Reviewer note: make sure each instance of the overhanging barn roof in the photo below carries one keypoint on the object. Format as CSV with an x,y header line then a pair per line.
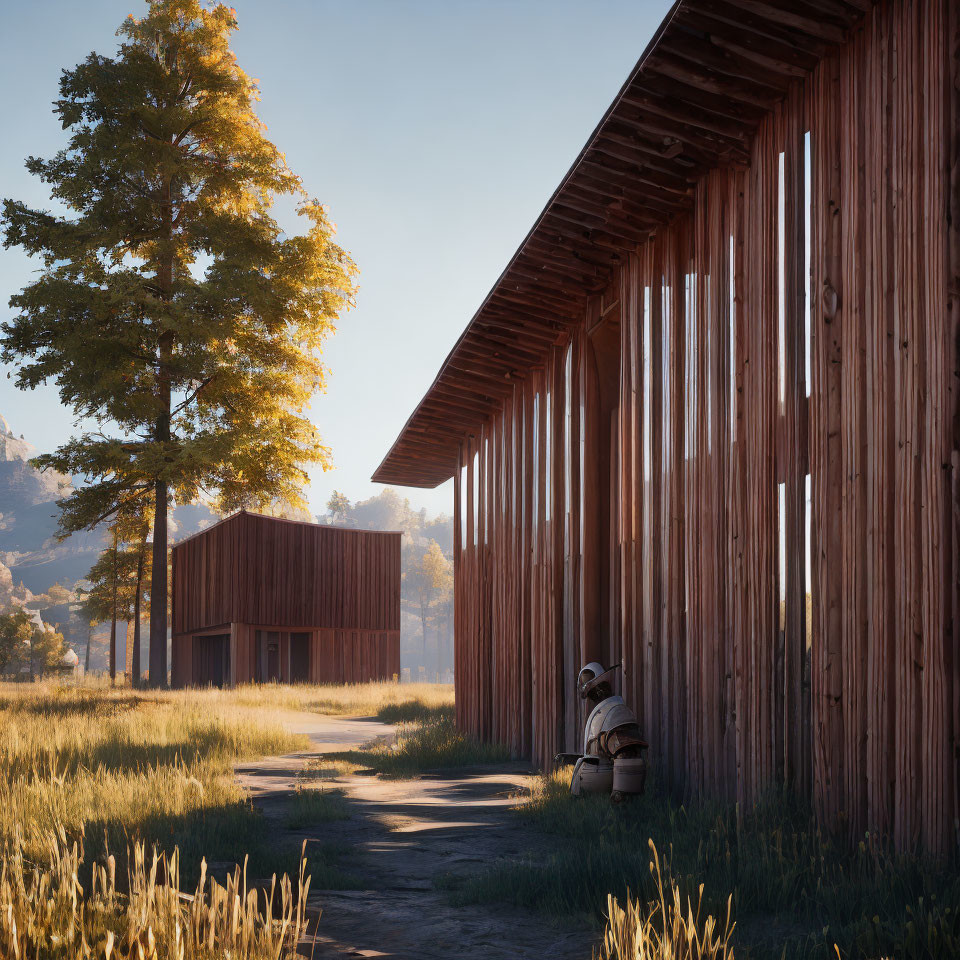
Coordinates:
x,y
712,71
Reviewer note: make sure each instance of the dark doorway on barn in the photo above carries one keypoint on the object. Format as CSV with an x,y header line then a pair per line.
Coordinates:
x,y
211,660
299,657
268,655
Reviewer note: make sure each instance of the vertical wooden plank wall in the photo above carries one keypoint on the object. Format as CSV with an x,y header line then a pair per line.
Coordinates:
x,y
261,570
717,427
952,404
354,656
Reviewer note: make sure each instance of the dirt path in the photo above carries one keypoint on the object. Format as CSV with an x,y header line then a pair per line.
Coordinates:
x,y
404,834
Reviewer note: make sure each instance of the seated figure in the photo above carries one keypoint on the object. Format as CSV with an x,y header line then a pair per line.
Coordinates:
x,y
612,760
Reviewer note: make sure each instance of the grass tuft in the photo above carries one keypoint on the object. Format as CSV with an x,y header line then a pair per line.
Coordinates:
x,y
310,805
433,743
665,927
416,710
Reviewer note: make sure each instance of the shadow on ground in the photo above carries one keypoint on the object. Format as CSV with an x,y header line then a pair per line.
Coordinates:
x,y
401,837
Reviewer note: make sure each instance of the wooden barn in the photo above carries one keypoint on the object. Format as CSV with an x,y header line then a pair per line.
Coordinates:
x,y
259,599
706,421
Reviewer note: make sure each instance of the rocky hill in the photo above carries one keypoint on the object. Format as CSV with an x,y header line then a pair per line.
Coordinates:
x,y
28,522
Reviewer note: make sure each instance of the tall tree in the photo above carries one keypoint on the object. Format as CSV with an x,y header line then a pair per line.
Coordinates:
x,y
16,631
439,571
95,608
118,581
81,614
428,584
171,307
338,505
47,648
136,669
104,598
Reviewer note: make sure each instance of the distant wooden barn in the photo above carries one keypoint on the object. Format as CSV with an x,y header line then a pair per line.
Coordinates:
x,y
727,345
257,598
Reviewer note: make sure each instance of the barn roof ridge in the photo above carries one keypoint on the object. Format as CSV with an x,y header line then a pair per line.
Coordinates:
x,y
264,516
711,72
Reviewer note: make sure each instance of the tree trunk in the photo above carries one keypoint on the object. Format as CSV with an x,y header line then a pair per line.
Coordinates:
x,y
158,591
161,436
135,659
113,614
423,636
86,658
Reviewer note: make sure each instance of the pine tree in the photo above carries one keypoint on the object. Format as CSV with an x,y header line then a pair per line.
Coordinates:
x,y
171,308
119,577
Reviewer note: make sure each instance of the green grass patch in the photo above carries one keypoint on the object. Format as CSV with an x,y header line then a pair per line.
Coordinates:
x,y
415,710
328,866
310,805
433,743
796,891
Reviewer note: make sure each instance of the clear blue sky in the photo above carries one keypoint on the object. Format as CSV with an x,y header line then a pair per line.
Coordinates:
x,y
435,132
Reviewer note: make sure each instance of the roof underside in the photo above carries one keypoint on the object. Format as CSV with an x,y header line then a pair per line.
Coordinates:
x,y
710,74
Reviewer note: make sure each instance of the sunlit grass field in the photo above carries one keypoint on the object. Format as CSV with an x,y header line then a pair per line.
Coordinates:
x,y
89,772
118,764
430,742
387,701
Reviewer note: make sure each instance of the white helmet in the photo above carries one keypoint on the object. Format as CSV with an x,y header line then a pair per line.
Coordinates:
x,y
594,683
590,672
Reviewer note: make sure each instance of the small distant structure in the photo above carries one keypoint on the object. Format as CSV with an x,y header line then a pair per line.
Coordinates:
x,y
260,599
69,665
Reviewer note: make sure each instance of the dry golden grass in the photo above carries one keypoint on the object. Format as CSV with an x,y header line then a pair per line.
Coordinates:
x,y
129,764
47,912
86,770
387,701
665,927
89,772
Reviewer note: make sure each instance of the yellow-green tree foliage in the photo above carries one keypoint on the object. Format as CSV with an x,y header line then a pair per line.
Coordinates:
x,y
170,306
16,629
23,643
428,585
47,648
338,505
438,570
